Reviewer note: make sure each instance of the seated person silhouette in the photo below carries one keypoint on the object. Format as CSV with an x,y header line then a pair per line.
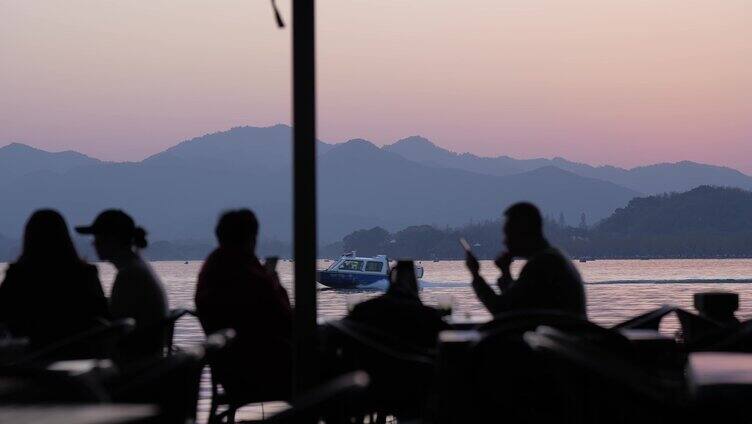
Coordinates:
x,y
236,291
50,293
548,281
136,292
399,312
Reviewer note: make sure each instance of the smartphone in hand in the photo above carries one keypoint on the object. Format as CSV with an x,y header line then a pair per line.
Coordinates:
x,y
271,263
465,245
470,261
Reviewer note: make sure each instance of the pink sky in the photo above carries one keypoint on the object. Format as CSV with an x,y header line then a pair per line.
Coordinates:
x,y
618,82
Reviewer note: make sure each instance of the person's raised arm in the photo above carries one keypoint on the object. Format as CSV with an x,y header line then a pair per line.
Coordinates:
x,y
485,293
504,262
528,288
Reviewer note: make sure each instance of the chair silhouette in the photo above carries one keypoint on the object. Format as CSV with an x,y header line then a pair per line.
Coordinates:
x,y
172,382
500,365
650,320
169,327
401,374
332,400
36,385
99,341
220,398
518,322
607,384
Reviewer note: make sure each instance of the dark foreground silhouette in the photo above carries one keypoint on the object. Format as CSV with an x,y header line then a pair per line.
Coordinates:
x,y
399,312
235,291
548,280
542,359
49,293
136,292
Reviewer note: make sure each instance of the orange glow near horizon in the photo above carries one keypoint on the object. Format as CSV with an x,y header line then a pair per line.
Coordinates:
x,y
623,83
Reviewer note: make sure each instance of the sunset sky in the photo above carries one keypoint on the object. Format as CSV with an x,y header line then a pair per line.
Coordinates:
x,y
598,81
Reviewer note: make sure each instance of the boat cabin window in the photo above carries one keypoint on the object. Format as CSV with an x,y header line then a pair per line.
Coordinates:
x,y
374,266
351,265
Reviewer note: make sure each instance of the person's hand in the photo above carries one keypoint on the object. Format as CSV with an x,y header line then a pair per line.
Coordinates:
x,y
504,262
472,264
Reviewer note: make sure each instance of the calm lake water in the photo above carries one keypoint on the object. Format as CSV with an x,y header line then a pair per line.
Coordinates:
x,y
616,289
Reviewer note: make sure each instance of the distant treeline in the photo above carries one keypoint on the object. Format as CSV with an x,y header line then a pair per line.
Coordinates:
x,y
706,222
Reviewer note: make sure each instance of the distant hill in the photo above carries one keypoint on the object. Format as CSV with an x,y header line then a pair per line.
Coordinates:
x,y
362,185
707,222
703,222
262,149
651,179
705,208
19,159
178,194
420,149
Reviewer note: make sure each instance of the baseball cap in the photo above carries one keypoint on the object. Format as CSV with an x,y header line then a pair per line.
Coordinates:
x,y
110,221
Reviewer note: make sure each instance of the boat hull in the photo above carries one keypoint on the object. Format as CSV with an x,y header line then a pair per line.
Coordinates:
x,y
346,280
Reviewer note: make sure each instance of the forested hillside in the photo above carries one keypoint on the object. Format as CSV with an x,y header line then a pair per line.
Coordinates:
x,y
705,222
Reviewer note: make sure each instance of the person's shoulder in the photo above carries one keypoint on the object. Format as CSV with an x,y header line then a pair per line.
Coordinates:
x,y
370,302
369,305
214,256
550,254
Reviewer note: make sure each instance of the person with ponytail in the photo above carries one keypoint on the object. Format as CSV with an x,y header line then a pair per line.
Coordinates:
x,y
136,292
50,293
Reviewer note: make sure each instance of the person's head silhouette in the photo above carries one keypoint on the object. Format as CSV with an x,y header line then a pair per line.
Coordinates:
x,y
402,279
47,239
115,234
237,229
523,230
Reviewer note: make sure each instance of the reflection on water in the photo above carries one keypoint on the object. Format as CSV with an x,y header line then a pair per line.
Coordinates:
x,y
616,289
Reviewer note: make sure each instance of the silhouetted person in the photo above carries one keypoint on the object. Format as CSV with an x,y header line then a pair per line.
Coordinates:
x,y
399,312
548,281
136,292
49,293
235,291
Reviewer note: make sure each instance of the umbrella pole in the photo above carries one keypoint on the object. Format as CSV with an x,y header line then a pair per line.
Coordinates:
x,y
304,169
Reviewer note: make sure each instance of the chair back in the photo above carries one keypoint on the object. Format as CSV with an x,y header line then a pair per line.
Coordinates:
x,y
500,365
169,327
401,374
37,385
650,320
518,322
328,401
171,382
596,383
100,341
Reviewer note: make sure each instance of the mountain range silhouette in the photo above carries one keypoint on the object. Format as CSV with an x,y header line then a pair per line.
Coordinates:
x,y
177,194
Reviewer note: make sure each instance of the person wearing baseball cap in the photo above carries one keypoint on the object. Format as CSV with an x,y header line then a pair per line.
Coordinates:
x,y
136,292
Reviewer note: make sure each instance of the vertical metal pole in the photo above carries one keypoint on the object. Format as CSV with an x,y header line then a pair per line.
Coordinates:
x,y
304,169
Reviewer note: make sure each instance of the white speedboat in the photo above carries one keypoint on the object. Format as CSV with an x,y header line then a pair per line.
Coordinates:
x,y
350,271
